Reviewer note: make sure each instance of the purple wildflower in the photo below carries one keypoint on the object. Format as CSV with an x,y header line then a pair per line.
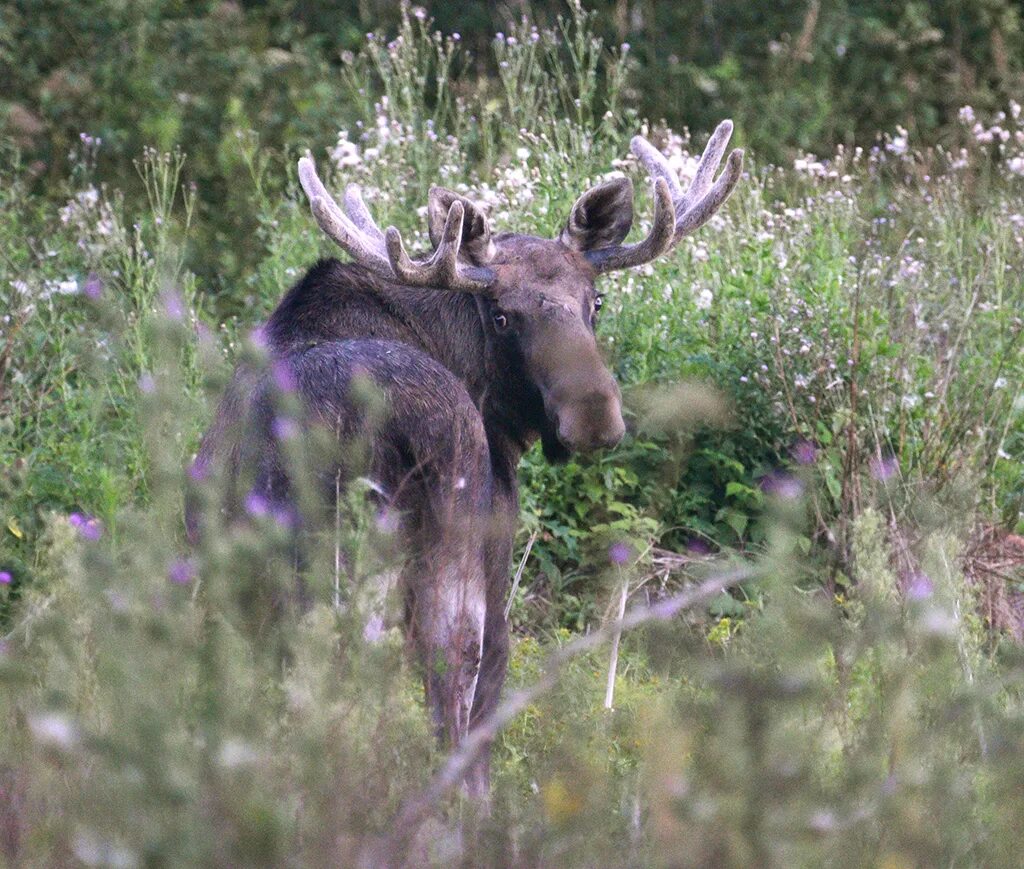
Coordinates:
x,y
619,553
284,428
93,287
92,529
256,504
884,467
782,485
387,520
173,305
88,527
804,452
181,571
284,379
285,516
147,385
920,586
258,338
5,577
698,546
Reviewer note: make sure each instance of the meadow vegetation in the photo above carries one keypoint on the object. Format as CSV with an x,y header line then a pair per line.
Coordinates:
x,y
824,387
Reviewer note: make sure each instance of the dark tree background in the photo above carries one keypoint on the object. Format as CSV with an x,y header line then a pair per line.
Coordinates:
x,y
796,75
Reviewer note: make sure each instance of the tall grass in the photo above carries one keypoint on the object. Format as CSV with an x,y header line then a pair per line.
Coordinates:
x,y
824,385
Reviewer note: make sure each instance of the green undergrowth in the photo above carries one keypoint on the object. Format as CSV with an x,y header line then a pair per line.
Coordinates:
x,y
824,383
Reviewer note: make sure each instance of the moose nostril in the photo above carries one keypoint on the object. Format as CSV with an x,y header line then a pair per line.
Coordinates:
x,y
594,422
616,432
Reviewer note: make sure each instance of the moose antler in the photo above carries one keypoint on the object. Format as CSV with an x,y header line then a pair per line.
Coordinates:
x,y
355,230
677,213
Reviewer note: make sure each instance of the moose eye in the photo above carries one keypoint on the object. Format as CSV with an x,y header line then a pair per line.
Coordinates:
x,y
500,322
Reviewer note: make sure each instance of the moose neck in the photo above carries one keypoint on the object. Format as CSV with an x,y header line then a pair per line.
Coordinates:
x,y
451,329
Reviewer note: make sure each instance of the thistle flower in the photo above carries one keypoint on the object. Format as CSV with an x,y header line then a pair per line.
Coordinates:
x,y
93,287
181,571
89,527
884,467
619,553
256,504
804,452
782,485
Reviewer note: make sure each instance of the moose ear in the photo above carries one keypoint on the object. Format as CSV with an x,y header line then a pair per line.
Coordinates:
x,y
601,217
476,231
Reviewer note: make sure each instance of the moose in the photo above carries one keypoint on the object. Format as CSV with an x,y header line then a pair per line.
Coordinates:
x,y
479,349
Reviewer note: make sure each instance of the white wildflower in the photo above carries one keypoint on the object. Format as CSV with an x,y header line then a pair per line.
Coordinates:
x,y
810,165
53,729
95,851
345,153
899,143
235,753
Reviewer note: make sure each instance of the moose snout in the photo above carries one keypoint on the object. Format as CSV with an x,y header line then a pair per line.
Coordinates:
x,y
592,422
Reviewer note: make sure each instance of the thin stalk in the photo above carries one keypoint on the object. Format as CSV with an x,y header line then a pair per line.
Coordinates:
x,y
613,664
519,574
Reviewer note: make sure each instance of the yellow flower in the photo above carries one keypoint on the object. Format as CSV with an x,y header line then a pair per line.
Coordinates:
x,y
560,803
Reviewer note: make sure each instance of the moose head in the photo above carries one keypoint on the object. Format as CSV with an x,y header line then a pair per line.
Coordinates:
x,y
537,296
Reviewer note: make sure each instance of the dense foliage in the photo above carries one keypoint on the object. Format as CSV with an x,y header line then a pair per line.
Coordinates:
x,y
825,384
798,75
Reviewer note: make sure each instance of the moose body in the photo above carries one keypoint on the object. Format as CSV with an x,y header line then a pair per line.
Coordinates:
x,y
479,350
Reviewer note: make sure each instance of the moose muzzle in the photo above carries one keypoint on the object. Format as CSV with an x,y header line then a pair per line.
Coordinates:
x,y
581,397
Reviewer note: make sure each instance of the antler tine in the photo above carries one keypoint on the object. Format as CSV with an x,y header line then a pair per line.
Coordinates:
x,y
656,165
364,247
708,164
443,268
677,213
696,206
383,252
698,214
359,213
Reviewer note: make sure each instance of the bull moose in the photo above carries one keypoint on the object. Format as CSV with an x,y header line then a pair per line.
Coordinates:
x,y
479,349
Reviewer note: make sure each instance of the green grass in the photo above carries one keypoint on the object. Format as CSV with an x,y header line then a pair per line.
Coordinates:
x,y
850,331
